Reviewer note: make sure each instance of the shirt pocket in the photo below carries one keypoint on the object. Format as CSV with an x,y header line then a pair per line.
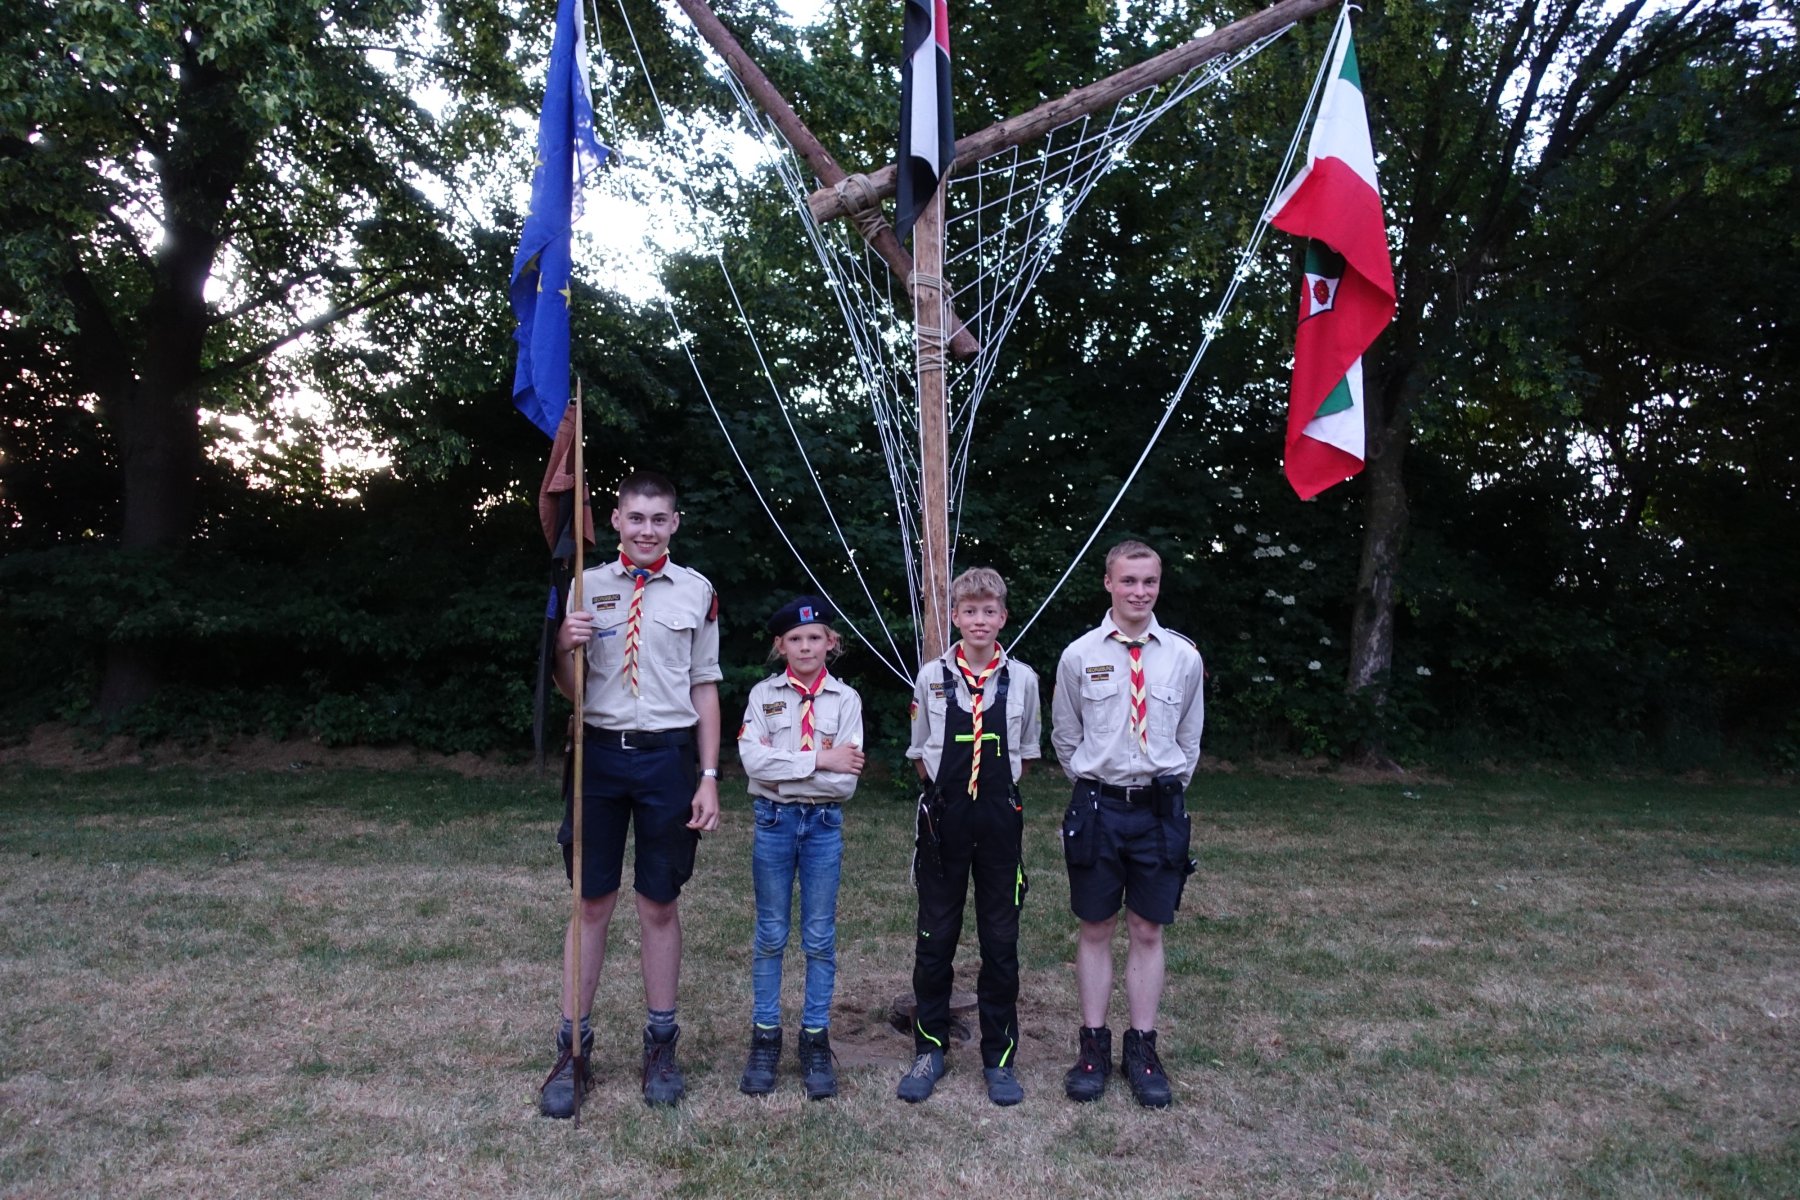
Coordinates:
x,y
671,640
606,653
1165,709
1100,707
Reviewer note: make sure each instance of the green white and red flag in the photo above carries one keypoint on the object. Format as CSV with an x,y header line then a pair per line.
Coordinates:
x,y
1348,298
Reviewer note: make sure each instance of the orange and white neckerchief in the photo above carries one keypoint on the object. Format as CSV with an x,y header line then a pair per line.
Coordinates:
x,y
976,682
806,705
634,624
1140,714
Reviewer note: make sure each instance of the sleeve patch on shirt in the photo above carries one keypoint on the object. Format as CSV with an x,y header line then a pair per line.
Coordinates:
x,y
912,711
712,610
742,730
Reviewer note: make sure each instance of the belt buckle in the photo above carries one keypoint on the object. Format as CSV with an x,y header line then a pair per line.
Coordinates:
x,y
625,740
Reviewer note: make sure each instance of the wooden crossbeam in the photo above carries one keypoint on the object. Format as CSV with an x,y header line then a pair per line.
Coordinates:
x,y
831,202
877,231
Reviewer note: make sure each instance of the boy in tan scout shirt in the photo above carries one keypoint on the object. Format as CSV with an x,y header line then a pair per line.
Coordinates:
x,y
1125,724
650,717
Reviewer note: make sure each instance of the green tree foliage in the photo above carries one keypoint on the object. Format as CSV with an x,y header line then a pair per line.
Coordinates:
x,y
187,188
1571,537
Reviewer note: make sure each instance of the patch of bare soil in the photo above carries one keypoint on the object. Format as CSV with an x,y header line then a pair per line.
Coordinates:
x,y
67,748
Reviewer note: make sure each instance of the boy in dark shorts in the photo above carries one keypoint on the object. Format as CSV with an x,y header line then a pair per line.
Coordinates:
x,y
650,721
1125,724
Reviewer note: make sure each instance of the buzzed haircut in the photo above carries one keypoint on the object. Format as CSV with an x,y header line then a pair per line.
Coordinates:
x,y
652,485
1130,549
975,583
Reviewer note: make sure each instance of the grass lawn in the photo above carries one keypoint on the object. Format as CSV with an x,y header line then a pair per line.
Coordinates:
x,y
338,983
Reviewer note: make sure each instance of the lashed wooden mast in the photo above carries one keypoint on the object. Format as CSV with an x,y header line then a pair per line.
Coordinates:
x,y
937,328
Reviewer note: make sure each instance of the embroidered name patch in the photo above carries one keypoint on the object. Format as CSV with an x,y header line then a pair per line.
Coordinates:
x,y
937,689
779,706
606,603
1101,673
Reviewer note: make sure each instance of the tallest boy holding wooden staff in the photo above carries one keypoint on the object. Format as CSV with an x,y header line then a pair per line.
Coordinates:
x,y
651,715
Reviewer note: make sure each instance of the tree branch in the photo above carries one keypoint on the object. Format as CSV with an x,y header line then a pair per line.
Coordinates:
x,y
262,351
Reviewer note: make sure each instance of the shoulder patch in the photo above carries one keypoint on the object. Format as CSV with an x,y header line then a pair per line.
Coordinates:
x,y
712,610
912,711
742,730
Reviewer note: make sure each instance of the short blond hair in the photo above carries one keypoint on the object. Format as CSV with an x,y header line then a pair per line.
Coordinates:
x,y
1130,549
975,583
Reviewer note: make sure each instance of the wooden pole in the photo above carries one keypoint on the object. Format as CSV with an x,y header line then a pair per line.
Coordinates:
x,y
878,232
576,790
830,202
934,482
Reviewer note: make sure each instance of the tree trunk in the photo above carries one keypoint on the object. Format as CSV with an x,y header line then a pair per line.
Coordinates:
x,y
155,405
1384,537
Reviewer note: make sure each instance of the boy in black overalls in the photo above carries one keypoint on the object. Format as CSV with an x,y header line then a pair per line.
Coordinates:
x,y
974,724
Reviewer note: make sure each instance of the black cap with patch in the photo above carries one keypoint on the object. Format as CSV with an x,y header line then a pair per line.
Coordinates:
x,y
801,610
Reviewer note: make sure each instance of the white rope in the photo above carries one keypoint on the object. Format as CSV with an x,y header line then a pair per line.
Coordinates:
x,y
686,344
1240,273
1010,237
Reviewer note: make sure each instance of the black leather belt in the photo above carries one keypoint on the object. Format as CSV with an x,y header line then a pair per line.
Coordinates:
x,y
1136,794
637,739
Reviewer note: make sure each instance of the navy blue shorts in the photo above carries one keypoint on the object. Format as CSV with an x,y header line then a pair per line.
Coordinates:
x,y
1119,852
651,791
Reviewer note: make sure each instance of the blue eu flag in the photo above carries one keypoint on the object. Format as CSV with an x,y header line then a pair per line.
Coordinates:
x,y
567,153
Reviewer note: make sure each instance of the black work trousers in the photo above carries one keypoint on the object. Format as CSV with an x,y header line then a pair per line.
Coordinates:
x,y
978,838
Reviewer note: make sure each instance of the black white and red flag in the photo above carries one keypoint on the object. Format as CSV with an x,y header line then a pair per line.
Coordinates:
x,y
927,139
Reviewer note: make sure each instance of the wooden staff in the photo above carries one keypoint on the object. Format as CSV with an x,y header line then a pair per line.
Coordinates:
x,y
934,480
576,790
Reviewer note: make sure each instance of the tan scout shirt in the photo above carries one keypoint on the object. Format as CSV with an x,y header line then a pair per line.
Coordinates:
x,y
1024,732
679,647
769,740
1090,715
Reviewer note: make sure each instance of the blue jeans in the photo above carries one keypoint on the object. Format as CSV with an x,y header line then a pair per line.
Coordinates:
x,y
805,840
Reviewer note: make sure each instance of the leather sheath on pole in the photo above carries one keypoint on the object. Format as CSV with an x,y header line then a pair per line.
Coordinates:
x,y
827,204
962,343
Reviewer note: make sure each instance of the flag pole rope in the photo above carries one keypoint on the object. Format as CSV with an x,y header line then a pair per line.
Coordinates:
x,y
1240,273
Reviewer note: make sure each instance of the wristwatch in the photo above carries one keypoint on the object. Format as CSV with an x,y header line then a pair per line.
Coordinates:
x,y
710,772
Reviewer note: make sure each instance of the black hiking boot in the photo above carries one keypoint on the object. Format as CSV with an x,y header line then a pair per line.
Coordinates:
x,y
1086,1080
1143,1070
765,1057
662,1078
557,1097
818,1066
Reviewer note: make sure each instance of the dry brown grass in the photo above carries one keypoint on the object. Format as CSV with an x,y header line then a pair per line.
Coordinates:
x,y
339,984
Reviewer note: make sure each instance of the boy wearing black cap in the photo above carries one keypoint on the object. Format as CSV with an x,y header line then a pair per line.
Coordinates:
x,y
801,745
